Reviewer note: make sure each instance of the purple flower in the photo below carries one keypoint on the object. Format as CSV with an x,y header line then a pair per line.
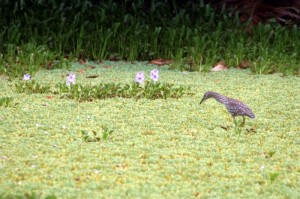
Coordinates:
x,y
26,77
140,77
71,79
154,75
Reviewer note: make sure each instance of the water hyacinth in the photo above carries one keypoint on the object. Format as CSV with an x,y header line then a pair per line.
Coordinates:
x,y
154,75
71,79
26,77
140,77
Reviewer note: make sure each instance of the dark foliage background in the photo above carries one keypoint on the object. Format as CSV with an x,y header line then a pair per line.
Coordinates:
x,y
193,33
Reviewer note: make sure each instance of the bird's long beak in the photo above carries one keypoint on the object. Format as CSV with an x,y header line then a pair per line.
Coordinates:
x,y
203,99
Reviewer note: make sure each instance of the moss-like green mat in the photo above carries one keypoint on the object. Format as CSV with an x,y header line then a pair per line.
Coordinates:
x,y
171,148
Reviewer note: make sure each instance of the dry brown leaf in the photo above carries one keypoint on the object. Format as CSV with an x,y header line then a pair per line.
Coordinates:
x,y
168,61
158,62
251,130
220,66
225,128
81,71
161,62
82,61
77,179
244,65
92,67
92,76
49,65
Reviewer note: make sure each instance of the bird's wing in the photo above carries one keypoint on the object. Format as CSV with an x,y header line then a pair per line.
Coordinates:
x,y
239,108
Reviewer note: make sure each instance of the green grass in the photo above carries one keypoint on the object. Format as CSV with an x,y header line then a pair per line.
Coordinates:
x,y
48,34
158,148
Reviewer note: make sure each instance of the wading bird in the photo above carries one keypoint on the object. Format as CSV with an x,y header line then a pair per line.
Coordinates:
x,y
234,107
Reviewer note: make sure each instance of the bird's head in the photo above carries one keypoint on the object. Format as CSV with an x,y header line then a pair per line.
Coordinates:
x,y
207,95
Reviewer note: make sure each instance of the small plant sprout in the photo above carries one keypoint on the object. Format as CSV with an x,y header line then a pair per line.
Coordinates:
x,y
273,176
26,77
6,101
106,132
140,77
154,75
71,79
31,86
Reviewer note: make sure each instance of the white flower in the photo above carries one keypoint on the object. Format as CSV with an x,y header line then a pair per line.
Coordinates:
x,y
140,77
154,75
71,79
26,77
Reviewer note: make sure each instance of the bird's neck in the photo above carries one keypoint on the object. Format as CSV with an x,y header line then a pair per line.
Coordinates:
x,y
220,98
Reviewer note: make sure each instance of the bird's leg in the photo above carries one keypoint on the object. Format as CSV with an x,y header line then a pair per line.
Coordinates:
x,y
243,123
237,126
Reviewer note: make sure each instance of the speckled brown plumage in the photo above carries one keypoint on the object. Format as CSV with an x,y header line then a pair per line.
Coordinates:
x,y
234,107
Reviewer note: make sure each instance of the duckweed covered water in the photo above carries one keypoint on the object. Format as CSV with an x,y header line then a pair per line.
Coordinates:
x,y
171,148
